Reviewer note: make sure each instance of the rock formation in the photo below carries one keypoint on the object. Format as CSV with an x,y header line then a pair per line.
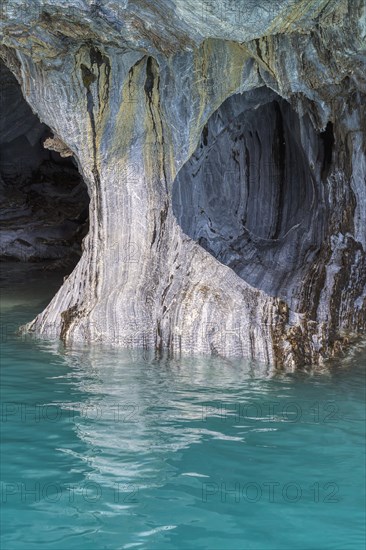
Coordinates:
x,y
223,147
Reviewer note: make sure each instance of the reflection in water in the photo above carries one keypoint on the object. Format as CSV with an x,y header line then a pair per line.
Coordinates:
x,y
136,411
110,449
146,408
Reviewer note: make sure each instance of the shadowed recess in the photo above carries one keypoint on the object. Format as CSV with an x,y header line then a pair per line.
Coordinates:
x,y
45,202
251,196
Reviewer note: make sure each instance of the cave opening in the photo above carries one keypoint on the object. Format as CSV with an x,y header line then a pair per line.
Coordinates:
x,y
251,193
45,202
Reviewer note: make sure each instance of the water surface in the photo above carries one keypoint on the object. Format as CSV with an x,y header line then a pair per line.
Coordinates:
x,y
107,449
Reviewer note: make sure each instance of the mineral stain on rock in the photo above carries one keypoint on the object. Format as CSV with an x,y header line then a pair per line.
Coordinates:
x,y
229,143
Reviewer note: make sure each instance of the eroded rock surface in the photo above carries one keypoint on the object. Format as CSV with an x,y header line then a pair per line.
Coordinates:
x,y
223,146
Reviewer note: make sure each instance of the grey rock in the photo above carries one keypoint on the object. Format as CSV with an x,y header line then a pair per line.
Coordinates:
x,y
192,247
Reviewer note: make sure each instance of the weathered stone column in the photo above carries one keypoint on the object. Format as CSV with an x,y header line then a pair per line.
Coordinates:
x,y
131,107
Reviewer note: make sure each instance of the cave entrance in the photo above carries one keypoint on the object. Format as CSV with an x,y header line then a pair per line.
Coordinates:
x,y
249,194
44,213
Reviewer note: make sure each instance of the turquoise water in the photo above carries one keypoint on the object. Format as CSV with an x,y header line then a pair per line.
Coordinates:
x,y
111,449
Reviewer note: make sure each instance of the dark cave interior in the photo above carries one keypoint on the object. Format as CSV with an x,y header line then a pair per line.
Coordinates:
x,y
45,202
252,194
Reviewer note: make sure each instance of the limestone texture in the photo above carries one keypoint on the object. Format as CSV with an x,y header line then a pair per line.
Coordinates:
x,y
223,148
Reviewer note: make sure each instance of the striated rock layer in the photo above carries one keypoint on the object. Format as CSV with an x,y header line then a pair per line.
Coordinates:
x,y
223,146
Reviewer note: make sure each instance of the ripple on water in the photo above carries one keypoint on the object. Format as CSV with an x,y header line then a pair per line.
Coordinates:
x,y
107,449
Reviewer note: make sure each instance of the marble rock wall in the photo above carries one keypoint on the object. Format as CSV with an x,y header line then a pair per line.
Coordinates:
x,y
223,147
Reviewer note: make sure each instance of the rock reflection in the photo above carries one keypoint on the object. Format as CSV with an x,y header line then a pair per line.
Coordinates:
x,y
137,410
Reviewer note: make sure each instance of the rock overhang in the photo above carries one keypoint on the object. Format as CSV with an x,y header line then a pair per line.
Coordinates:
x,y
131,144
